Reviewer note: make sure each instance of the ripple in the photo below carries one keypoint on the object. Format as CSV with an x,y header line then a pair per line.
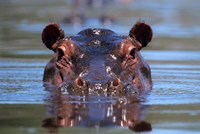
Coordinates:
x,y
172,55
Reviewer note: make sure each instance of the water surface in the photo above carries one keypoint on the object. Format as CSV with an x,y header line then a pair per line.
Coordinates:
x,y
173,106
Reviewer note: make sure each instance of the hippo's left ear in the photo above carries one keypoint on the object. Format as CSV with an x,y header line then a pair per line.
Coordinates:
x,y
142,32
52,33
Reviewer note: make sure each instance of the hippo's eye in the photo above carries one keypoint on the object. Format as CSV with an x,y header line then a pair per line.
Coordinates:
x,y
60,54
132,53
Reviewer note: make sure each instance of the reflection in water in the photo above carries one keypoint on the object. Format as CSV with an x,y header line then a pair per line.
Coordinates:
x,y
65,110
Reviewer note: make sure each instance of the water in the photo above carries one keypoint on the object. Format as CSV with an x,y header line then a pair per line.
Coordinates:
x,y
173,106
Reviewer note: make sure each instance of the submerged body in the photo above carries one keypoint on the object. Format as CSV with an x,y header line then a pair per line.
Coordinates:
x,y
98,60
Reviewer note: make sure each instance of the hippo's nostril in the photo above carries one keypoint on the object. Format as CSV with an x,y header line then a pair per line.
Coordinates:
x,y
116,82
79,82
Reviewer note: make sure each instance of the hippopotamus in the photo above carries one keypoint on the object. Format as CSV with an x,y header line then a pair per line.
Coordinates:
x,y
98,60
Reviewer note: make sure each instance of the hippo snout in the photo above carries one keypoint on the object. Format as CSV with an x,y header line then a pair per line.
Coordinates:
x,y
81,86
112,88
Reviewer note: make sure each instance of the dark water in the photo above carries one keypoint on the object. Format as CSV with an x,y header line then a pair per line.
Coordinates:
x,y
173,106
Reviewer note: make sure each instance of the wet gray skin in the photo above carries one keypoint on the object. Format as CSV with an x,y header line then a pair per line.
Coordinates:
x,y
97,61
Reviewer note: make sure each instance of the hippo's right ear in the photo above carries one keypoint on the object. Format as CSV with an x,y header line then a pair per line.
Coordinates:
x,y
52,33
142,32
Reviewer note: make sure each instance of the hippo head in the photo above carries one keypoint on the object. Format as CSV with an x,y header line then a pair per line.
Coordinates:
x,y
98,60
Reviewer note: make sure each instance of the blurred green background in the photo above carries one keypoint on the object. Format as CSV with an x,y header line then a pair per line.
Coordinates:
x,y
175,22
173,55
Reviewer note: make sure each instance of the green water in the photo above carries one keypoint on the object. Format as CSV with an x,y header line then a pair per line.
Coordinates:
x,y
173,106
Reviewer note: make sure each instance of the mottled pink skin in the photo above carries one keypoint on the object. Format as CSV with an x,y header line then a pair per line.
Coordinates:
x,y
98,59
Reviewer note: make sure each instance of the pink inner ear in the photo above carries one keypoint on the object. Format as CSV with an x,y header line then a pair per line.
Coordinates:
x,y
51,34
142,32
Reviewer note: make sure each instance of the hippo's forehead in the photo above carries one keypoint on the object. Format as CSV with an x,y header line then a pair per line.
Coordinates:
x,y
97,41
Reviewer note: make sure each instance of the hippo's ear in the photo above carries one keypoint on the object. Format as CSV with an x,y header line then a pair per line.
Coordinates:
x,y
142,32
52,33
